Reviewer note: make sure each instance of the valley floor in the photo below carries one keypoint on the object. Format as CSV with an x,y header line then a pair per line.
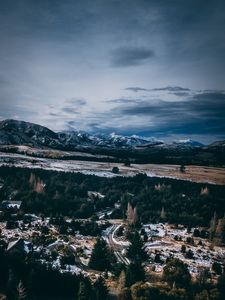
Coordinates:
x,y
202,174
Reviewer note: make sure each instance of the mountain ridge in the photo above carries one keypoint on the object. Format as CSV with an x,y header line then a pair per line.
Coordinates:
x,y
15,133
21,132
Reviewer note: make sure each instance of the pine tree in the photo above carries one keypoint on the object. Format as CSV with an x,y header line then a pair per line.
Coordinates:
x,y
182,168
83,293
36,183
176,273
21,290
220,231
39,188
100,289
122,281
136,251
158,187
11,286
100,257
135,216
125,294
162,214
135,272
204,191
223,231
129,213
132,216
32,180
212,228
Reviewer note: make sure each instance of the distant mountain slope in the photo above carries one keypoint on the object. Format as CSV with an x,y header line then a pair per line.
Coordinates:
x,y
217,144
188,142
20,132
138,149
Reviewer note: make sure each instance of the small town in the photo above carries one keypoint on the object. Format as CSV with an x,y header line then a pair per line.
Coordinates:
x,y
63,243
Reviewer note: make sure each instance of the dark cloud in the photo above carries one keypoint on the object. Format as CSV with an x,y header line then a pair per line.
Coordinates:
x,y
177,90
123,101
180,94
130,56
73,105
77,102
69,110
171,89
52,114
210,96
202,113
136,89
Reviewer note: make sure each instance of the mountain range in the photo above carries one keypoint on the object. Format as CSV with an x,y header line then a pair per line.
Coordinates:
x,y
13,132
118,147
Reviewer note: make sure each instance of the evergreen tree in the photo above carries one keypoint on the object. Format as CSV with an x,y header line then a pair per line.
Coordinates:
x,y
21,290
221,284
122,280
83,293
100,257
182,168
11,292
202,277
100,289
136,249
176,273
217,268
203,295
125,294
212,228
162,214
220,231
135,272
115,170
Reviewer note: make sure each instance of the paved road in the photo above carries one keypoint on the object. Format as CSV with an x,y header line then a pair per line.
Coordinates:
x,y
116,246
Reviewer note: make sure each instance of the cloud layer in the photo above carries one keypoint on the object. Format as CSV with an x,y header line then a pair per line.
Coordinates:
x,y
200,114
152,67
130,56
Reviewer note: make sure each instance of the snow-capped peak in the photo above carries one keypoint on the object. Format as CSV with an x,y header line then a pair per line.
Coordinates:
x,y
188,142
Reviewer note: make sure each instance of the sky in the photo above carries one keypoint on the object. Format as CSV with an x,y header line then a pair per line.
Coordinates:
x,y
154,68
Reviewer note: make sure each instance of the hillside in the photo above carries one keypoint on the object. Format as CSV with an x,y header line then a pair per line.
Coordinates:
x,y
134,148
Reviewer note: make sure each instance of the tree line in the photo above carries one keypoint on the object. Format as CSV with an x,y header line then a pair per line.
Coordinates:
x,y
52,193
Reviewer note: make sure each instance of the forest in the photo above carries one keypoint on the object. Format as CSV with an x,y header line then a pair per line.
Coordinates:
x,y
52,193
58,195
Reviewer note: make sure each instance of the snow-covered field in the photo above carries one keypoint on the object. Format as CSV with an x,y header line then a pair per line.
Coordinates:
x,y
103,169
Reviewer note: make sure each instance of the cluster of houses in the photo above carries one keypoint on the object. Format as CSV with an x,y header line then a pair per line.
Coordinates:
x,y
71,252
37,236
166,241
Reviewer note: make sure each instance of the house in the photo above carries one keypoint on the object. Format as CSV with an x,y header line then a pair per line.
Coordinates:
x,y
11,204
19,246
93,195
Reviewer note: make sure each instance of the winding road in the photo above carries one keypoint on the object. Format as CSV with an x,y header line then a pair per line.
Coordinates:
x,y
116,246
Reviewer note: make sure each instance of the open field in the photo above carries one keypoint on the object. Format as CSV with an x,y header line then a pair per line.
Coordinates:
x,y
193,173
50,153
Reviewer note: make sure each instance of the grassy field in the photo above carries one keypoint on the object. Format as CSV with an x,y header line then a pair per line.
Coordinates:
x,y
205,174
